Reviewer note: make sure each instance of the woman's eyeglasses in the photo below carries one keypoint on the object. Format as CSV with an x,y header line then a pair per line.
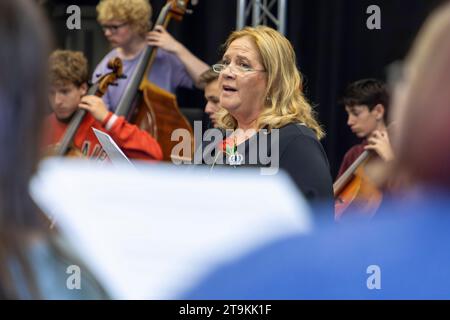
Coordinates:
x,y
236,69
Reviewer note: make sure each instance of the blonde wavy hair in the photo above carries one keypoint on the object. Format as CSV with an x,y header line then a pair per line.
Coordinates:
x,y
285,101
68,66
135,12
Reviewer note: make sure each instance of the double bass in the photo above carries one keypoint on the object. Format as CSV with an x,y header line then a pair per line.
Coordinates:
x,y
150,107
65,146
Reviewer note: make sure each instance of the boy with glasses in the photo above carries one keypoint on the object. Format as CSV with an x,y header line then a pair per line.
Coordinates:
x,y
126,24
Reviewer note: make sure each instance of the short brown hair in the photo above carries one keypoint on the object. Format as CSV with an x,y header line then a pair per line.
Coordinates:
x,y
207,77
68,66
369,92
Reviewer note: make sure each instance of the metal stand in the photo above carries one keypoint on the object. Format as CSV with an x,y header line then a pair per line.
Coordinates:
x,y
263,13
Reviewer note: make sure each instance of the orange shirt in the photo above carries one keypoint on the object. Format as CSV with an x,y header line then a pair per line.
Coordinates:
x,y
134,142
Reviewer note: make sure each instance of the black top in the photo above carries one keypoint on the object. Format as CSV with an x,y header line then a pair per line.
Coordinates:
x,y
299,153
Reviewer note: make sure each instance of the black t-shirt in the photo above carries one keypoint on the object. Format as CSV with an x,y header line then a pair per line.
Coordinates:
x,y
299,153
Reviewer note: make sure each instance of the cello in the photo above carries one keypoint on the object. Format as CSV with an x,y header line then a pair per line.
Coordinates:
x,y
149,107
356,189
65,146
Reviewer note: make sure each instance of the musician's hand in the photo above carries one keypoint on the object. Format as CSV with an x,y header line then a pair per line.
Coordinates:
x,y
95,106
159,37
379,142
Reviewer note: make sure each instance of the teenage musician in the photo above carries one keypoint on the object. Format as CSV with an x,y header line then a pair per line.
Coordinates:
x,y
366,102
126,25
68,88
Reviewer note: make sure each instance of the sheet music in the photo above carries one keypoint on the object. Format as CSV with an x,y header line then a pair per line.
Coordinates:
x,y
115,154
153,232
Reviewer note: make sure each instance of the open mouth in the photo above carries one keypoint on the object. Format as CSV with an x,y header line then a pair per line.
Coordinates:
x,y
229,89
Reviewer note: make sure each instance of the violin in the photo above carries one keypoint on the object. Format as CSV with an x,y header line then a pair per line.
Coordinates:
x,y
65,146
355,189
149,107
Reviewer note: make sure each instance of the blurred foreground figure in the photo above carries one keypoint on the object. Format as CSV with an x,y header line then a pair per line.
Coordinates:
x,y
403,254
35,263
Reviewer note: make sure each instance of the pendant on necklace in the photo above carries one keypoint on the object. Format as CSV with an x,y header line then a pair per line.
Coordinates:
x,y
235,159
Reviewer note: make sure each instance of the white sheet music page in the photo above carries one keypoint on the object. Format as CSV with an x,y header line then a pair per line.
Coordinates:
x,y
153,232
115,154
